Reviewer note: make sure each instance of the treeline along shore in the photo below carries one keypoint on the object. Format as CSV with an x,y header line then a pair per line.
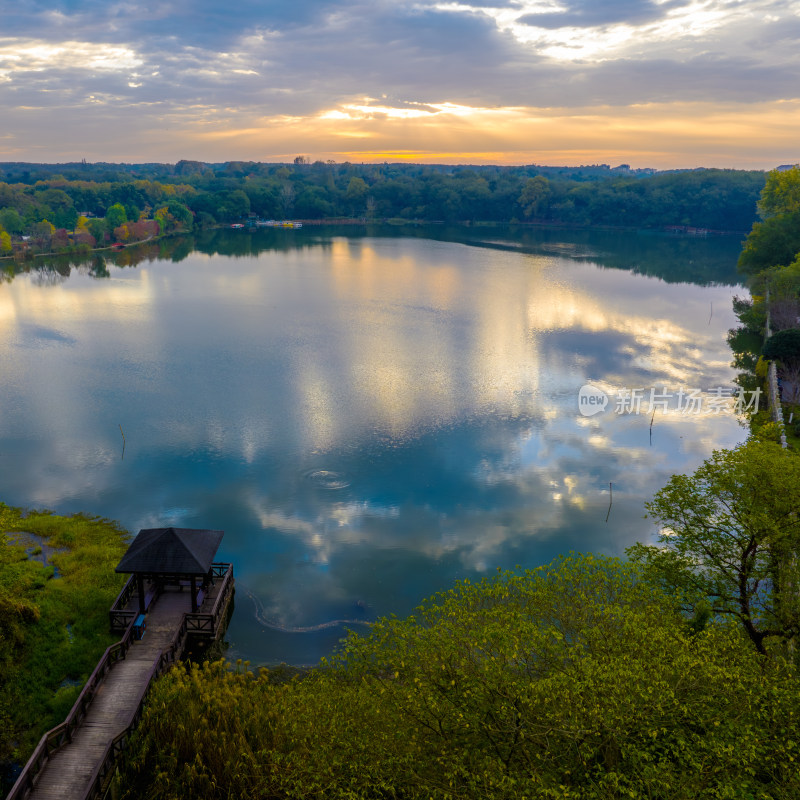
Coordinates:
x,y
79,207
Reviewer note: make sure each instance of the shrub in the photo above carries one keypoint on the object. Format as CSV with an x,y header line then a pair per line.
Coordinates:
x,y
576,680
783,345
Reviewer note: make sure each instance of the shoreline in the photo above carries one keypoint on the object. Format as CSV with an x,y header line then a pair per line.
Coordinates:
x,y
672,231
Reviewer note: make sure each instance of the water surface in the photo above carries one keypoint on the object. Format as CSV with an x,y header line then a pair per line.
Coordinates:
x,y
369,415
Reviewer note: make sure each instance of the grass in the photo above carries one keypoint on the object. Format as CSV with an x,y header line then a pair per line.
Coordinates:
x,y
57,582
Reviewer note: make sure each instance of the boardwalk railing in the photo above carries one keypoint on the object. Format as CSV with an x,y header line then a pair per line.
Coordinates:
x,y
61,735
104,770
210,624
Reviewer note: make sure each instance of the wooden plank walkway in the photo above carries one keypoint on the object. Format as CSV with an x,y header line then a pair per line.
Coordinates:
x,y
75,759
68,772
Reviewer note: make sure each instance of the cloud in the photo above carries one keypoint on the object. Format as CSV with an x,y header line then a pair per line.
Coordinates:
x,y
321,71
588,13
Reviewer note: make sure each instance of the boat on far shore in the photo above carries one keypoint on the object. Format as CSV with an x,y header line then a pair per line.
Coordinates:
x,y
277,223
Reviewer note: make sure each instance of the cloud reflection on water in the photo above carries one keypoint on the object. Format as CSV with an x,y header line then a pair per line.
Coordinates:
x,y
432,385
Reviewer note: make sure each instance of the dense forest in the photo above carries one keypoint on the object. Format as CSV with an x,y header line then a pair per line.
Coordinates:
x,y
68,207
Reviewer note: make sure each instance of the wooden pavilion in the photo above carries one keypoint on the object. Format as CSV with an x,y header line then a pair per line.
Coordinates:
x,y
176,556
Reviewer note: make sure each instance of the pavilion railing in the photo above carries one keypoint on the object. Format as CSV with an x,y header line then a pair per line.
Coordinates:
x,y
207,623
118,617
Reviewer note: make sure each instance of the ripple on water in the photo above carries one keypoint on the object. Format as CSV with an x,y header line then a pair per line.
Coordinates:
x,y
327,479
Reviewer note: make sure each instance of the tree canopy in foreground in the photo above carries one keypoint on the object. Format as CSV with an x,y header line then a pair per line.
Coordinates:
x,y
574,680
729,539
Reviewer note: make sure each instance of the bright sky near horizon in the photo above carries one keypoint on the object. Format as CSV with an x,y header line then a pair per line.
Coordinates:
x,y
651,83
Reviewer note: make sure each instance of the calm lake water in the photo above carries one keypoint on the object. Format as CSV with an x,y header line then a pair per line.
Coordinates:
x,y
368,414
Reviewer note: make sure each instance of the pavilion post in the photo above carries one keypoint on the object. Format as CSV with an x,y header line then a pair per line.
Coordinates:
x,y
140,588
194,594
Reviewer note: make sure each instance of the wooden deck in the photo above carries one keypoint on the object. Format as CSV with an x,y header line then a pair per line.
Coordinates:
x,y
73,760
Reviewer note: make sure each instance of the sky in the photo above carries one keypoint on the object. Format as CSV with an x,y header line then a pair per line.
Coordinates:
x,y
650,83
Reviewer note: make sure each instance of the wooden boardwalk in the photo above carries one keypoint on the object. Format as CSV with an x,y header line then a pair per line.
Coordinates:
x,y
69,771
73,761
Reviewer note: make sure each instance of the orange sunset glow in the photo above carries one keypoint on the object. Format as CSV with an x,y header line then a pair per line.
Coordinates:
x,y
653,84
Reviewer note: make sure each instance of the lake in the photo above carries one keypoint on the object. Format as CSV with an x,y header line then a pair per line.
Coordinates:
x,y
369,414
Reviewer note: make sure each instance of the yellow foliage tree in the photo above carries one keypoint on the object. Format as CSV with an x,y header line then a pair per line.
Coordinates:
x,y
781,193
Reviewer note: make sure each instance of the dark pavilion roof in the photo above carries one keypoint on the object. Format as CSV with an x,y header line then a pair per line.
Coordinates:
x,y
172,551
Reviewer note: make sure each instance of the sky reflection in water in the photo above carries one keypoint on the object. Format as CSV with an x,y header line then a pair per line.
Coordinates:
x,y
368,419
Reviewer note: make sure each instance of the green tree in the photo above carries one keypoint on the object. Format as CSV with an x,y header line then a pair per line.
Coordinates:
x,y
57,205
783,345
287,197
781,193
97,228
191,169
311,204
116,216
180,214
774,242
729,537
784,294
263,199
174,216
231,205
356,192
535,196
11,220
132,212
